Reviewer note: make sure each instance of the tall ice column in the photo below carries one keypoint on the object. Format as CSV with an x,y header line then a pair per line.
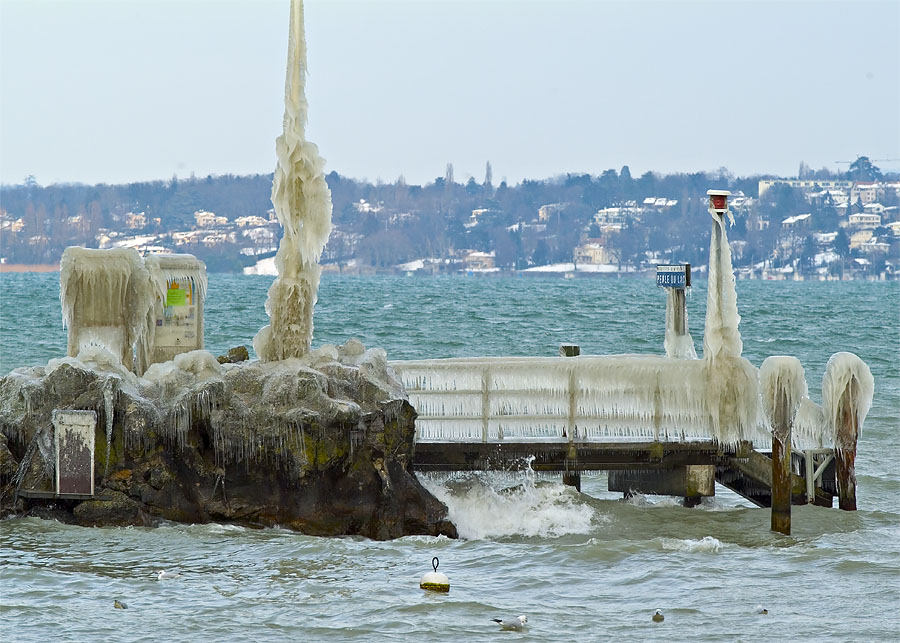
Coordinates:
x,y
302,203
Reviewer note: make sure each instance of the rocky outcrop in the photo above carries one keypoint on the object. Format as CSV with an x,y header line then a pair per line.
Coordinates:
x,y
321,444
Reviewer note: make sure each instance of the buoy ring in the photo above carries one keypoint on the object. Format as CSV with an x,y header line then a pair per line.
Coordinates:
x,y
435,581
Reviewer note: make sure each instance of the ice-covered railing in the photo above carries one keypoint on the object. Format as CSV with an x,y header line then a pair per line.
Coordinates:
x,y
616,398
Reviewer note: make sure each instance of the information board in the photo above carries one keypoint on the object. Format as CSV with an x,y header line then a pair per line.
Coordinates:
x,y
178,326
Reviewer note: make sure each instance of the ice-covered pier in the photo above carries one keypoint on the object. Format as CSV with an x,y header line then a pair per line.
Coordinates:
x,y
651,418
672,424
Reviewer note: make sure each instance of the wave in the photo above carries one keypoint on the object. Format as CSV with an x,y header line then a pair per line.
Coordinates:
x,y
480,511
705,544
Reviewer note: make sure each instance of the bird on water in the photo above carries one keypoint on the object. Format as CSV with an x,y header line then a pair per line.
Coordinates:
x,y
514,623
119,605
164,575
658,617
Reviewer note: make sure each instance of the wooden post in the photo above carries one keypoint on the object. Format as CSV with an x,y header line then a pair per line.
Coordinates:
x,y
678,313
571,478
781,465
845,447
569,350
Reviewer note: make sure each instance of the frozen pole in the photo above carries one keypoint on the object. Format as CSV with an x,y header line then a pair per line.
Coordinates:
x,y
721,337
302,204
571,478
783,385
847,390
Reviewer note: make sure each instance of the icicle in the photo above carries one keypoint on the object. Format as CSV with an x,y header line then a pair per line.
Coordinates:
x,y
108,412
302,203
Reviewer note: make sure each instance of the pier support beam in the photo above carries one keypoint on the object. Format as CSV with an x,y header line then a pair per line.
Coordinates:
x,y
781,466
845,453
572,479
783,385
569,350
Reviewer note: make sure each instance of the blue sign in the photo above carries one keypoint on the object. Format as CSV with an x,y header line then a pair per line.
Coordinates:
x,y
673,276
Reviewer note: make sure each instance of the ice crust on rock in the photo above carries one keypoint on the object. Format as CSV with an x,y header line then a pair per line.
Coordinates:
x,y
302,204
285,432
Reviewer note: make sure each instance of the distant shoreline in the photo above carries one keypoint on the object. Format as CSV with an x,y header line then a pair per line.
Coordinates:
x,y
29,267
45,268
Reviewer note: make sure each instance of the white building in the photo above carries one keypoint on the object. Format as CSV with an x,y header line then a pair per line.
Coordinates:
x,y
864,220
250,221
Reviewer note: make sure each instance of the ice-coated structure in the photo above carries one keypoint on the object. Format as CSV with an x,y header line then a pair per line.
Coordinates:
x,y
780,376
302,203
846,372
173,328
116,301
677,346
106,296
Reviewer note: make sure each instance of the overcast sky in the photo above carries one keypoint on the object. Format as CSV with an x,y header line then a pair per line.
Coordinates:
x,y
123,91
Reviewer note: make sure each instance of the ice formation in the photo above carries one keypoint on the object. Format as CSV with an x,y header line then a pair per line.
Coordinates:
x,y
721,337
615,398
106,296
847,387
302,203
732,383
783,387
677,346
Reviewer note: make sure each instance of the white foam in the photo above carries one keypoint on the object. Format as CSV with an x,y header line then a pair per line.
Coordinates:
x,y
705,544
480,511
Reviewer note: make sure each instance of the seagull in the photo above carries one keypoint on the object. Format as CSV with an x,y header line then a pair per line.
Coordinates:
x,y
120,606
658,617
164,575
514,623
761,610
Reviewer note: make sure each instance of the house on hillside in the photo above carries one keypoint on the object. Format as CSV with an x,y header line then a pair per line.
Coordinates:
x,y
594,252
864,221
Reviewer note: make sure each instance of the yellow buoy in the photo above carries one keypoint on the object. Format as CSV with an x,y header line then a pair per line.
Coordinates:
x,y
435,581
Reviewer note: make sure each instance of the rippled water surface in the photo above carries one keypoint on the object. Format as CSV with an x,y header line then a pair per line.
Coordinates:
x,y
581,566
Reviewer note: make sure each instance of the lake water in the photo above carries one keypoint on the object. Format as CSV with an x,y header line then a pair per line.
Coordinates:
x,y
585,567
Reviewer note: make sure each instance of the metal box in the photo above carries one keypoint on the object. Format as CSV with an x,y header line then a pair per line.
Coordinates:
x,y
74,442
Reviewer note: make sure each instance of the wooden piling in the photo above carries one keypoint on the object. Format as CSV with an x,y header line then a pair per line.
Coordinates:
x,y
781,464
845,447
572,479
679,312
569,350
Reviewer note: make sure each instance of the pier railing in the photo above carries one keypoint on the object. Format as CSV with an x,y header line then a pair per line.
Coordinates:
x,y
617,398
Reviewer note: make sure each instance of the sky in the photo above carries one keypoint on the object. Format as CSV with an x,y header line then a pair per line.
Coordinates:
x,y
113,92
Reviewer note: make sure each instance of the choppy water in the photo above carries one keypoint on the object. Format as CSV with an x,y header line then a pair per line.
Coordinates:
x,y
581,566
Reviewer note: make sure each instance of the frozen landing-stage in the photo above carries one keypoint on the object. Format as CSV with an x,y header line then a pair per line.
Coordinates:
x,y
487,414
